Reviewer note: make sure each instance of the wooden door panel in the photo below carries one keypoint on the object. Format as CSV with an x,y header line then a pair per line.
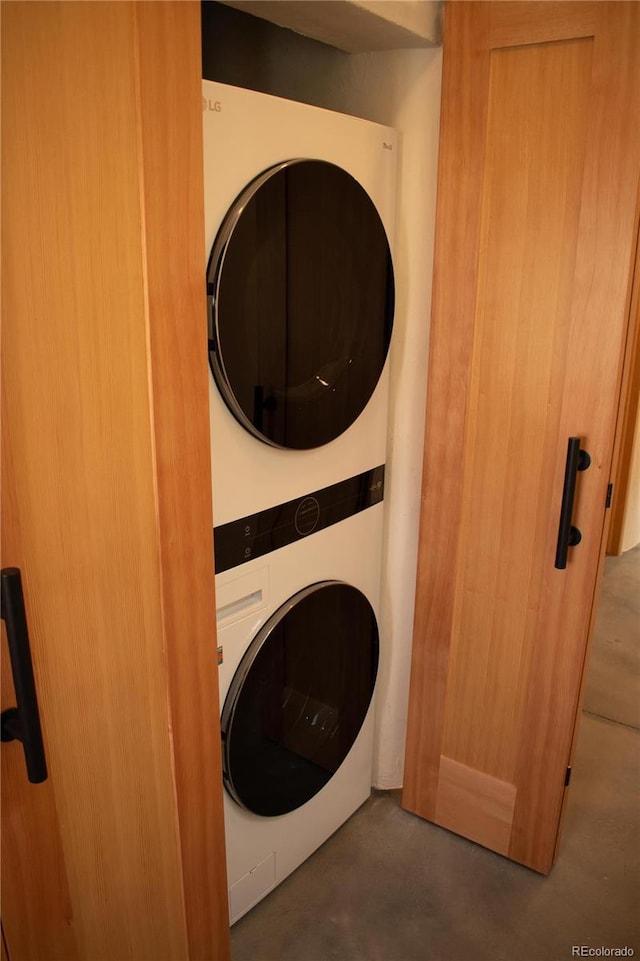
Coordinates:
x,y
474,803
513,22
78,420
528,325
34,887
38,886
524,291
106,503
598,324
171,79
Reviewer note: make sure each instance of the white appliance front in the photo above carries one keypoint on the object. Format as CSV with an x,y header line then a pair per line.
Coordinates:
x,y
264,159
303,727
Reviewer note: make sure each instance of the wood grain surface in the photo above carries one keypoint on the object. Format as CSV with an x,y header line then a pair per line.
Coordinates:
x,y
106,490
535,235
170,76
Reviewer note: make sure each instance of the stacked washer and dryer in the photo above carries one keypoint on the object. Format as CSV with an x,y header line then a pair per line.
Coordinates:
x,y
299,209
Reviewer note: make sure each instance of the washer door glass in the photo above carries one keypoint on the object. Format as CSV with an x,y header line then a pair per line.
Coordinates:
x,y
299,698
301,297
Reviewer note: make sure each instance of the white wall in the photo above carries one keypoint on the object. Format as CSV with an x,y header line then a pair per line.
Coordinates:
x,y
402,89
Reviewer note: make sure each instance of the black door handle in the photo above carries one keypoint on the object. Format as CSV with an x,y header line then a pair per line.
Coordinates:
x,y
21,723
568,535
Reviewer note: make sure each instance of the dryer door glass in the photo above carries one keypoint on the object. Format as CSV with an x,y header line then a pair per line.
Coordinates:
x,y
301,296
299,698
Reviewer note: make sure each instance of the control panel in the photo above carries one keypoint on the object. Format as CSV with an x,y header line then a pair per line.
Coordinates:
x,y
258,534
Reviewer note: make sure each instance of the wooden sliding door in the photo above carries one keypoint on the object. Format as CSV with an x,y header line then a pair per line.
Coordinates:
x,y
536,226
106,492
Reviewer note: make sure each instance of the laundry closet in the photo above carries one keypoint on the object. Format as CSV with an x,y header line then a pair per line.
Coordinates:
x,y
108,387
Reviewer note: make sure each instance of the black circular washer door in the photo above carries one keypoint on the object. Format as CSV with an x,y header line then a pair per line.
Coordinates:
x,y
301,298
299,698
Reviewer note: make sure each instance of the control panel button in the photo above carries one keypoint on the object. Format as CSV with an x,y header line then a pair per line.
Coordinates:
x,y
307,516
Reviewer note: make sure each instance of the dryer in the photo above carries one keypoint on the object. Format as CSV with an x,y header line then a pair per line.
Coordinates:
x,y
299,207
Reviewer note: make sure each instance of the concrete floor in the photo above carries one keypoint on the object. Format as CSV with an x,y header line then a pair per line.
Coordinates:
x,y
391,887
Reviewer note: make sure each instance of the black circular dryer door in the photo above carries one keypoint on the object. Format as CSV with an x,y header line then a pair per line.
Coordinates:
x,y
301,297
299,698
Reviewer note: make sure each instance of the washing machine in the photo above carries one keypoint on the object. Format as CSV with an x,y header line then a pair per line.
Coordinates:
x,y
298,654
299,206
